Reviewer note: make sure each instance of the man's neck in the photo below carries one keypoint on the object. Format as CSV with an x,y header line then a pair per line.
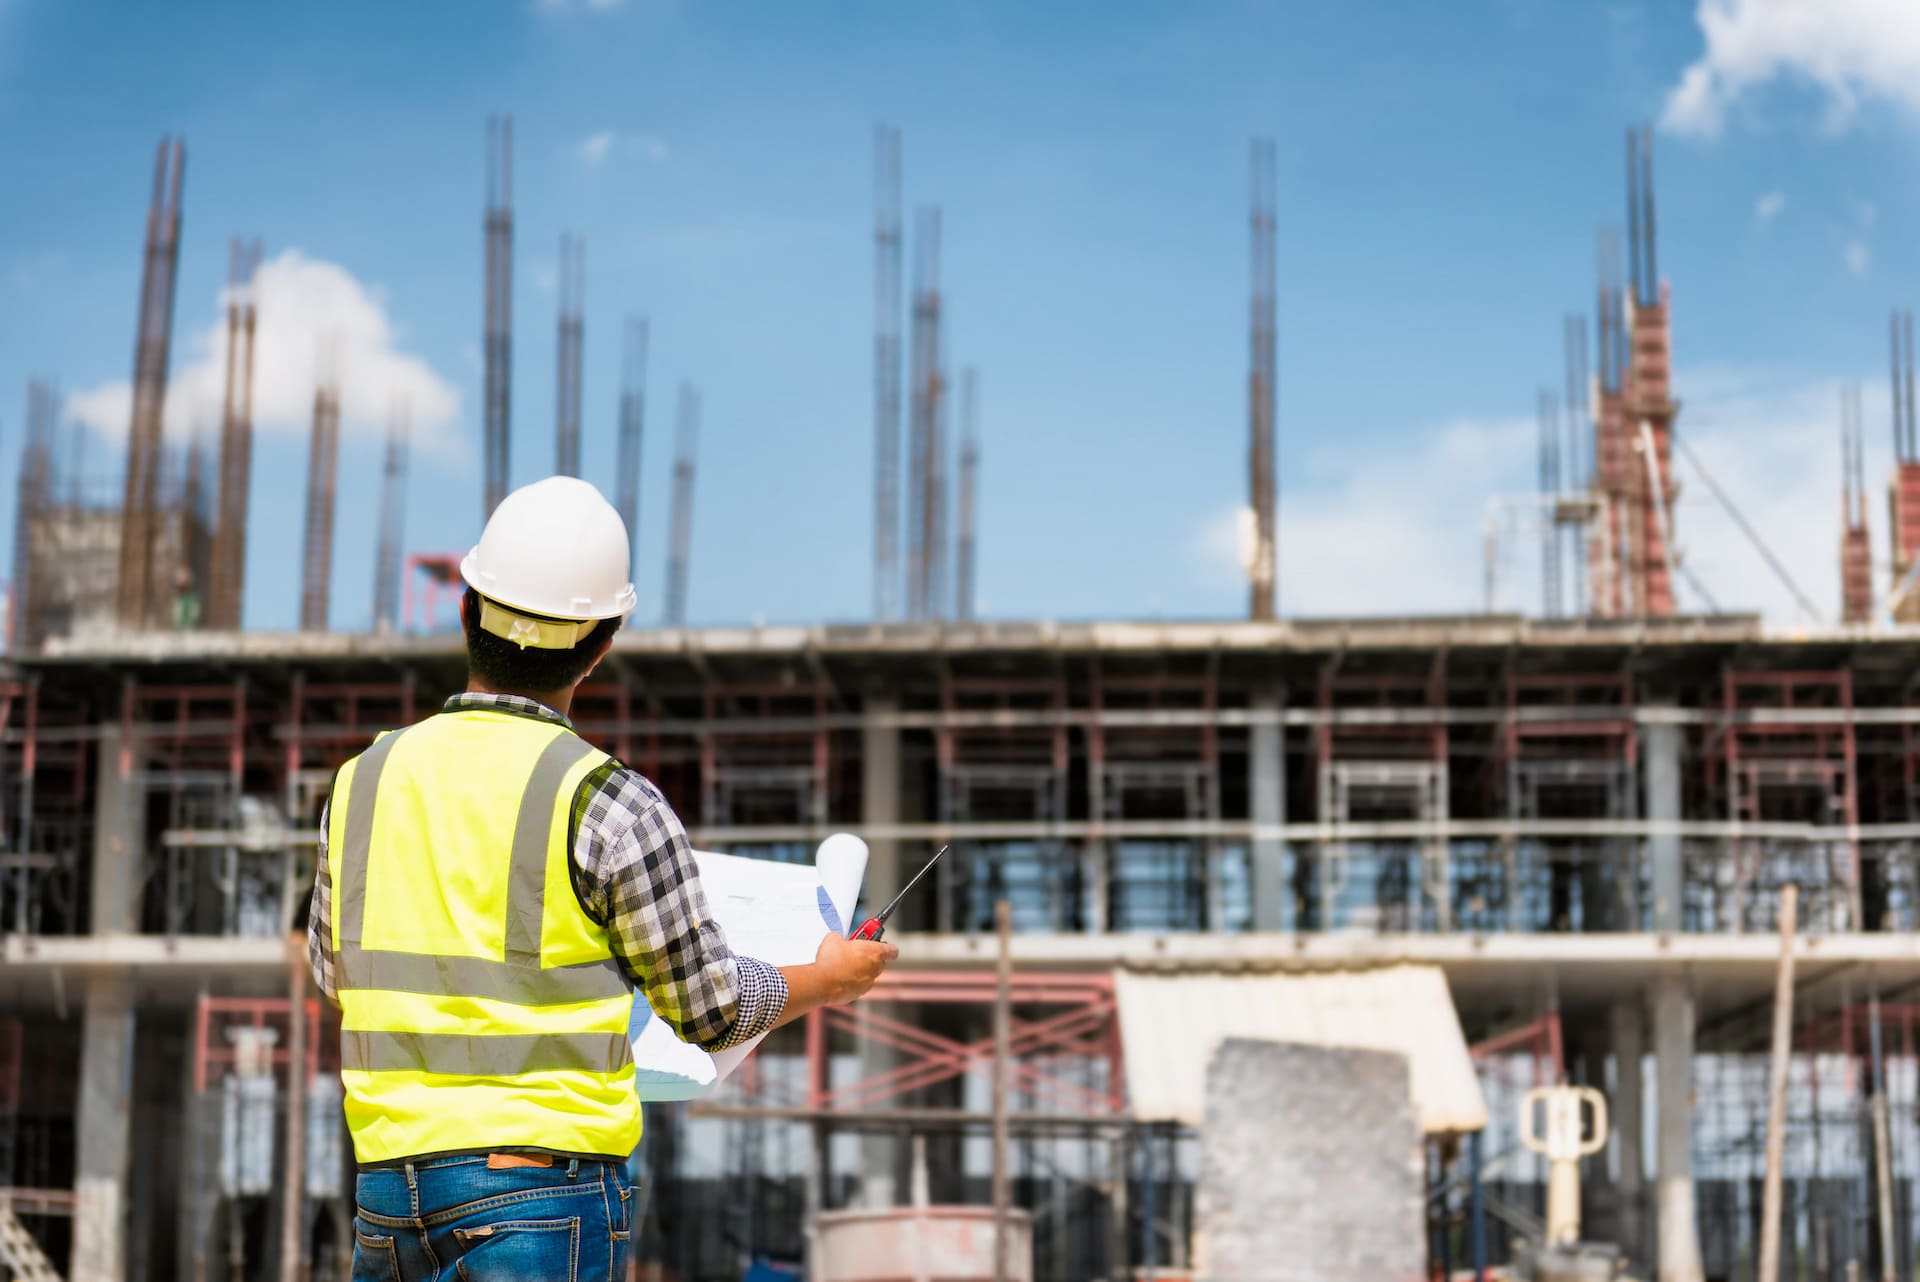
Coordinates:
x,y
561,701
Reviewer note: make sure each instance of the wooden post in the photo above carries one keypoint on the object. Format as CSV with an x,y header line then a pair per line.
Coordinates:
x,y
293,1219
1002,1042
1882,1147
1777,1092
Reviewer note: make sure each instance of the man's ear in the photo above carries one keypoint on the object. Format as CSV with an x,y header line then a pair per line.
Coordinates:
x,y
600,654
464,620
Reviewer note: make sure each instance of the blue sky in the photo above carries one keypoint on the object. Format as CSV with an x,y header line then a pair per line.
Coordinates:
x,y
1442,169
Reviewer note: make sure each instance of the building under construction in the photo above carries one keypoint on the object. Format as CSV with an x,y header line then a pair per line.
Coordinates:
x,y
1573,830
1582,825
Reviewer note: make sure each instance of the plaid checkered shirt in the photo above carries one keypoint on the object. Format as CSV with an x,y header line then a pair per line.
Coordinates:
x,y
634,873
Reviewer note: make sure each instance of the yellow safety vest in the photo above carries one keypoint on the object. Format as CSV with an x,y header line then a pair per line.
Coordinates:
x,y
481,1008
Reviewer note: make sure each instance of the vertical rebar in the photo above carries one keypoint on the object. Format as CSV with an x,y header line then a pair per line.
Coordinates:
x,y
924,469
1893,373
1633,212
1913,432
322,465
36,483
1649,265
886,373
227,589
963,586
1549,430
153,335
633,416
680,537
1262,479
566,413
393,510
498,325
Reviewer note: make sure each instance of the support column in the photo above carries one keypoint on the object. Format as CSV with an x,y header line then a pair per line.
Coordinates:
x,y
116,841
1628,1034
1660,776
1673,1174
1267,788
880,1154
103,1154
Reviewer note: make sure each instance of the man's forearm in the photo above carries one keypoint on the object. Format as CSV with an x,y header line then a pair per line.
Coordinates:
x,y
807,990
842,971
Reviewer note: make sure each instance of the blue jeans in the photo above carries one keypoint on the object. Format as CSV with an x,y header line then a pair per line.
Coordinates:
x,y
451,1219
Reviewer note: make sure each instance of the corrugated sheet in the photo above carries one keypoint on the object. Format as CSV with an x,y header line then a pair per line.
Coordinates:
x,y
1171,1024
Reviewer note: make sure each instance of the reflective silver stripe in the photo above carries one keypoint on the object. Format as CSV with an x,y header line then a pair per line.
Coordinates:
x,y
359,840
466,1055
520,978
480,977
527,874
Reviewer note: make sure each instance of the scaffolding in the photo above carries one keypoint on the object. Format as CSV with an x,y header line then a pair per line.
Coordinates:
x,y
1157,773
1392,769
1567,751
1765,765
237,1133
736,1175
1002,773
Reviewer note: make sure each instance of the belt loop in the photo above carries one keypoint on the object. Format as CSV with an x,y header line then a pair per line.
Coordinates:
x,y
412,1184
573,1168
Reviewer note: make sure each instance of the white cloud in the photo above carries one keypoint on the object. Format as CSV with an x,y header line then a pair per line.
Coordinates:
x,y
1371,531
1858,257
594,148
1769,206
1847,50
1366,531
34,271
301,302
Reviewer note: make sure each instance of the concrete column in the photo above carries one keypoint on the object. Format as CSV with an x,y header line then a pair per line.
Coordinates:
x,y
1660,779
1679,1258
880,1154
1267,788
1628,1033
103,1157
117,847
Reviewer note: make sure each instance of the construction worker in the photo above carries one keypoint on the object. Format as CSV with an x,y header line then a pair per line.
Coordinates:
x,y
491,891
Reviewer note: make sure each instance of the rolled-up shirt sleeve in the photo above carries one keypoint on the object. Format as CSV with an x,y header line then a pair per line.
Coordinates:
x,y
640,880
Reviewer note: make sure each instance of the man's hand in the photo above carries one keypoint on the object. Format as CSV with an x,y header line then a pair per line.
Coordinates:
x,y
850,967
842,970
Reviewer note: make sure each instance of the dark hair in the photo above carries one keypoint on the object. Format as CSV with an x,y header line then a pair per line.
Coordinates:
x,y
506,667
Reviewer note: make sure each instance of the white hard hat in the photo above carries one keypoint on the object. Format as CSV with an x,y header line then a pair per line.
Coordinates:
x,y
555,548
